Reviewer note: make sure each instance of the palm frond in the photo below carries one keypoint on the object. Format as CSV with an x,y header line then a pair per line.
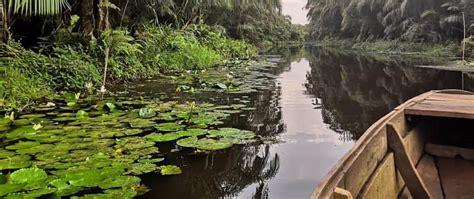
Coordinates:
x,y
37,7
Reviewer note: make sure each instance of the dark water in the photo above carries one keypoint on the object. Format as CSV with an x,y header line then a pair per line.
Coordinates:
x,y
321,102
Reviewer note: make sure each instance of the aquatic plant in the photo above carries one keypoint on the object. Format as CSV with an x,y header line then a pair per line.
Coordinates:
x,y
93,150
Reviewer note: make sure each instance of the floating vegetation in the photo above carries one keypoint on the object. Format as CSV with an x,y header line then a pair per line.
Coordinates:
x,y
170,170
68,150
169,127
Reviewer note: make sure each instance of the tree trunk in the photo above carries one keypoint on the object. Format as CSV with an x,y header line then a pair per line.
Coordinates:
x,y
4,22
88,23
464,36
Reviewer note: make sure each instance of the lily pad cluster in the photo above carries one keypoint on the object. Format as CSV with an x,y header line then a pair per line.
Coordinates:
x,y
244,78
87,149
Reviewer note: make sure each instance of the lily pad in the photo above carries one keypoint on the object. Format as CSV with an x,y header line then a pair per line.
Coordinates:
x,y
158,137
32,116
169,127
32,194
168,116
10,188
212,145
131,143
91,177
124,193
23,145
110,107
141,168
190,142
170,170
63,188
22,122
81,114
192,132
204,144
6,153
120,181
15,162
141,123
231,133
33,178
146,113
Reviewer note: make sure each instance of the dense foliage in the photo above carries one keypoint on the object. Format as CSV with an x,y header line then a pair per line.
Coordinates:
x,y
410,20
66,66
255,21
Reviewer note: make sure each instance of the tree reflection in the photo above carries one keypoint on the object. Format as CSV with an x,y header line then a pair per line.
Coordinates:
x,y
226,173
356,89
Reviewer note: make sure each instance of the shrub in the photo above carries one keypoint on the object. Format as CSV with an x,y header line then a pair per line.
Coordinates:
x,y
64,69
16,89
215,38
171,49
124,58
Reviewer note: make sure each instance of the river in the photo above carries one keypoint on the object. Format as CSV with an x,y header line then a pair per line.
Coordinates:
x,y
320,103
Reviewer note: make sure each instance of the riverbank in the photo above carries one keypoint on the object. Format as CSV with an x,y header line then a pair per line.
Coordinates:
x,y
71,63
448,50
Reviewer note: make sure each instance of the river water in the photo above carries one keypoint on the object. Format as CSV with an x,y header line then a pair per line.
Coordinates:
x,y
318,106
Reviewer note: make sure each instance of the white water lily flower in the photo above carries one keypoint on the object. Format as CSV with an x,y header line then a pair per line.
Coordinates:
x,y
37,126
102,89
50,104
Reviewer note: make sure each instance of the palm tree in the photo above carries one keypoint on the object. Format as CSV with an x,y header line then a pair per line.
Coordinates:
x,y
27,8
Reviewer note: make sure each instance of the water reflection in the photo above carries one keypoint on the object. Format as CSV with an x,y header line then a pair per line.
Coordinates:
x,y
358,89
308,117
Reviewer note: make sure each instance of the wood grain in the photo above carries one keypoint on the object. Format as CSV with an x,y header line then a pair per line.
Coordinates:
x,y
405,165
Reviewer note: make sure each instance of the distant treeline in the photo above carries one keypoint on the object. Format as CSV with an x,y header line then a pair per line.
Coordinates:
x,y
408,20
252,20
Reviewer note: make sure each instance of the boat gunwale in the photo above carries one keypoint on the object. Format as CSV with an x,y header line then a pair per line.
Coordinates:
x,y
326,187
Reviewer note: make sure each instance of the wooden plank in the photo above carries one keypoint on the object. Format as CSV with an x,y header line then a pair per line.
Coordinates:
x,y
363,167
405,194
340,193
414,143
441,110
451,103
449,97
429,174
405,165
454,91
457,177
336,176
449,151
383,183
400,122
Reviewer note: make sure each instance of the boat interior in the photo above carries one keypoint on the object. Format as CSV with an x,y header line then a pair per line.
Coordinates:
x,y
410,153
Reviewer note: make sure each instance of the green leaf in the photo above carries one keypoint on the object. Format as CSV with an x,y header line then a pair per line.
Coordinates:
x,y
190,142
10,188
212,145
169,127
81,114
146,113
15,162
32,194
141,123
170,170
33,177
192,132
110,107
120,181
158,137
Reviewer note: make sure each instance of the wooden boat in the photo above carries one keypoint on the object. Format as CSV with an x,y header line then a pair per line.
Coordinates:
x,y
422,149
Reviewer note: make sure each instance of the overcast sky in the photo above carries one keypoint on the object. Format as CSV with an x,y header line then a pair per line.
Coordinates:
x,y
294,8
